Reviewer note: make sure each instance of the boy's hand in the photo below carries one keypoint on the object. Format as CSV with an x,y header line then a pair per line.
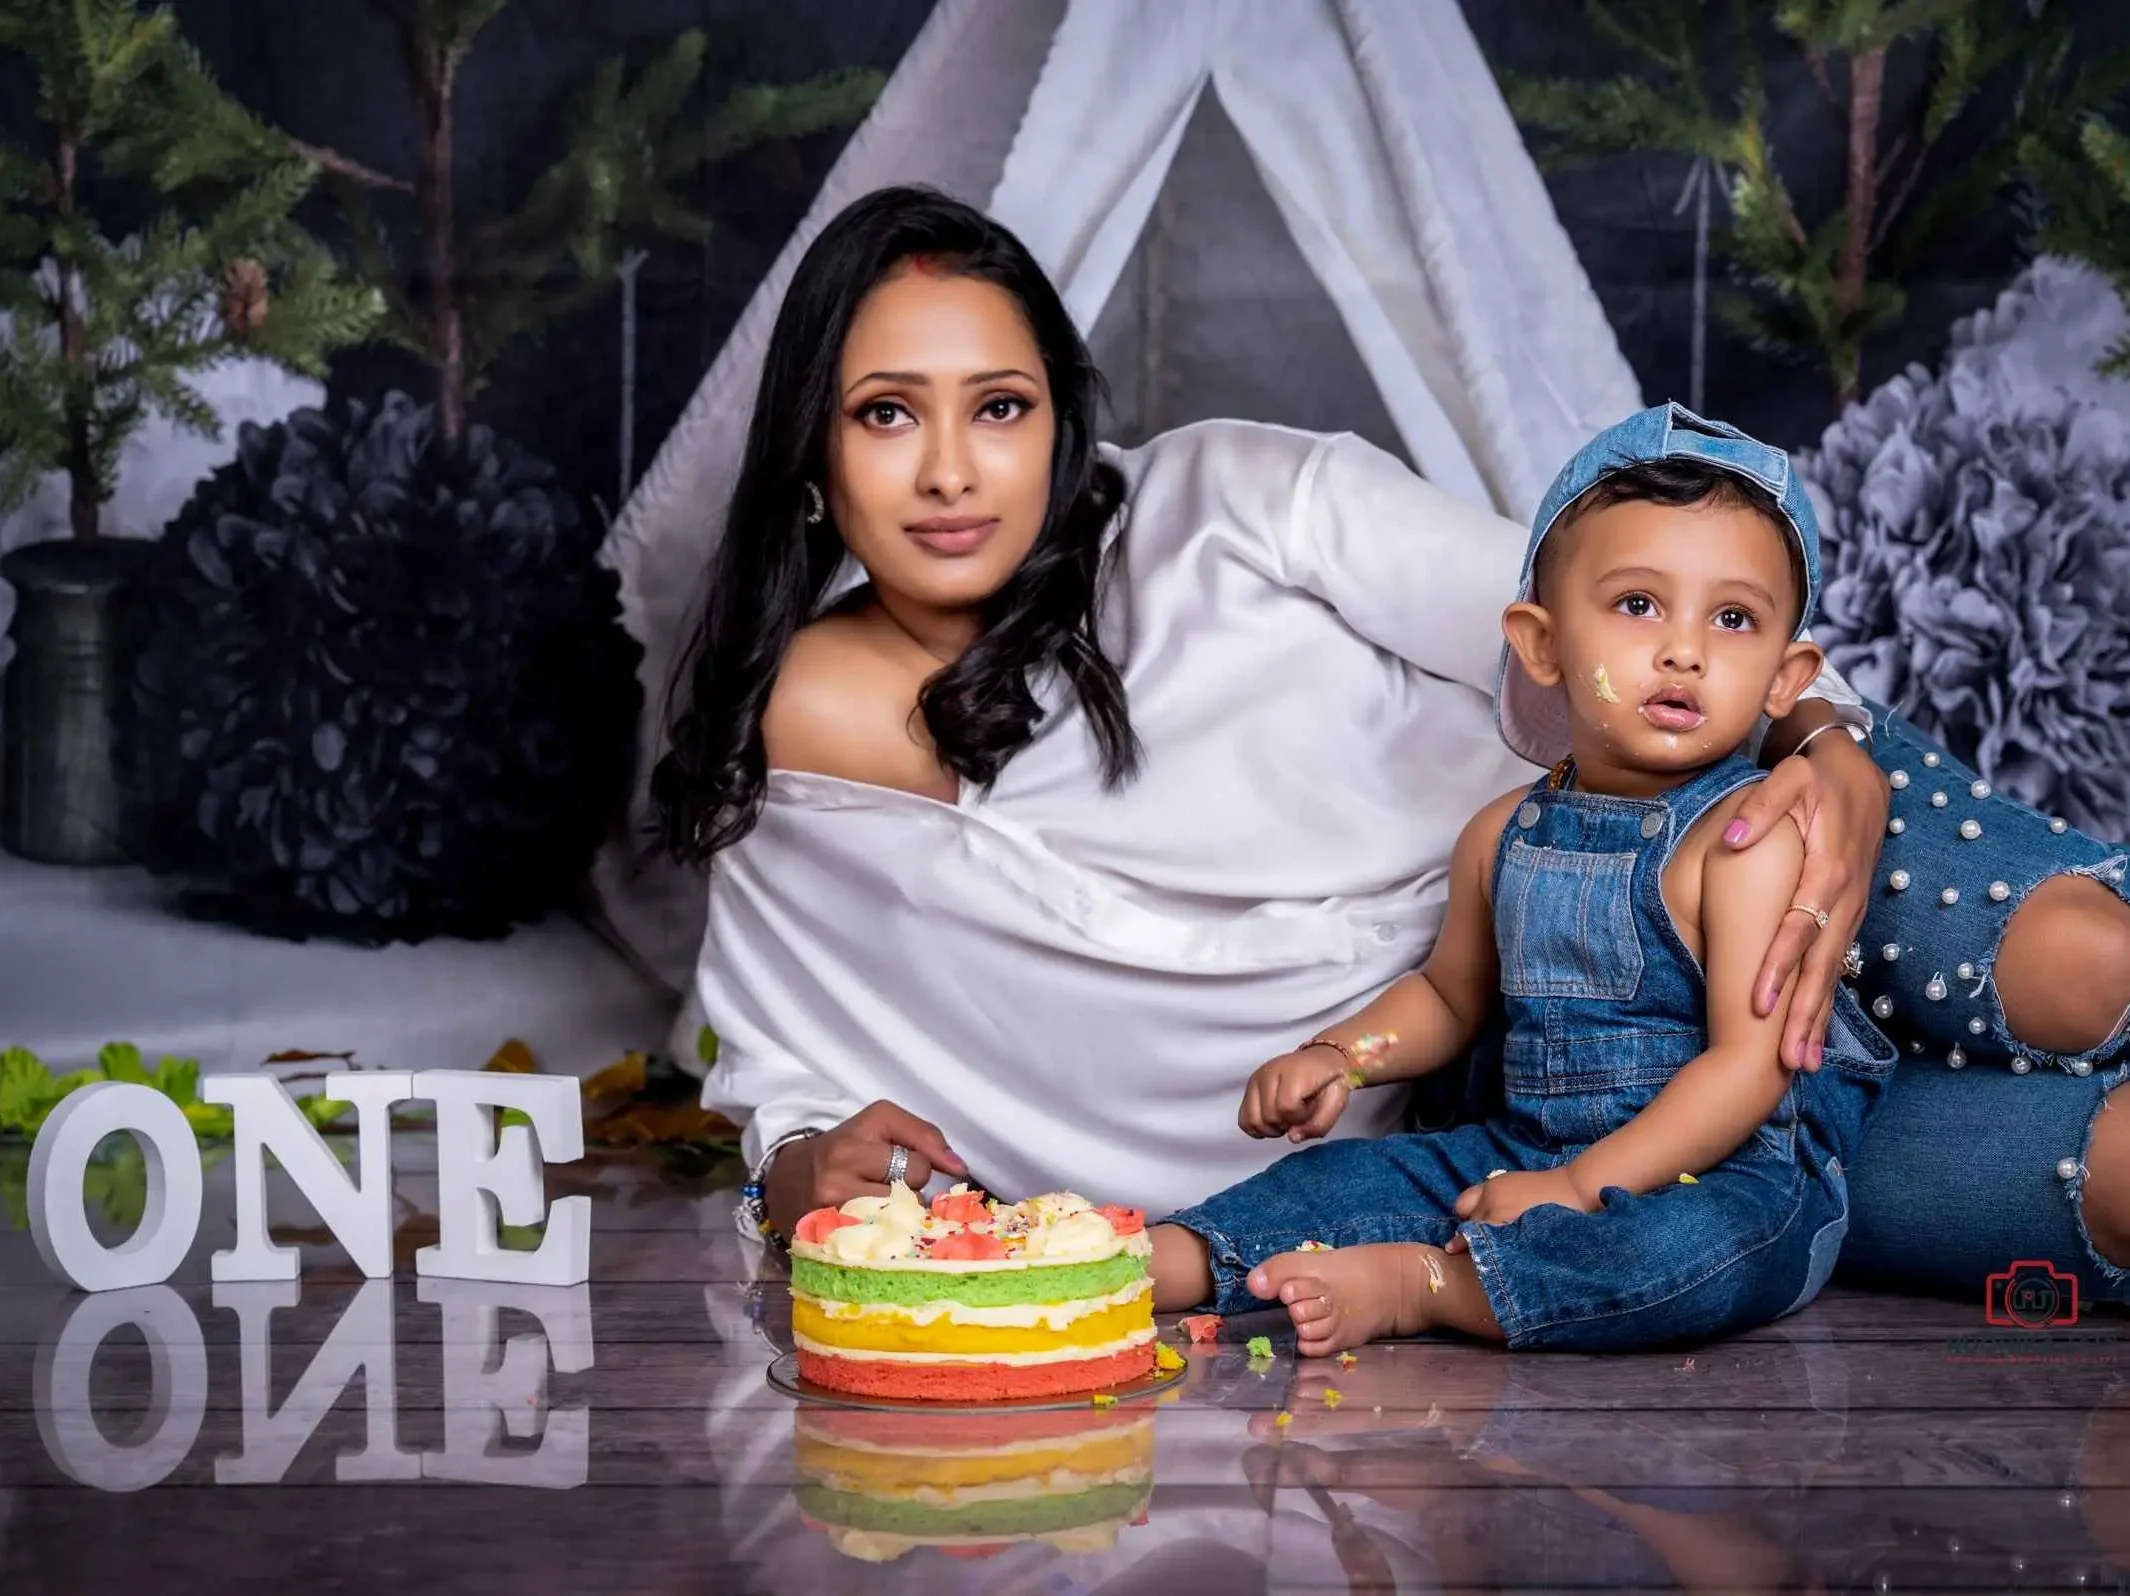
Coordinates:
x,y
1505,1197
1299,1095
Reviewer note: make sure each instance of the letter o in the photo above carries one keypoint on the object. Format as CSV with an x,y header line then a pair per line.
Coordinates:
x,y
59,1219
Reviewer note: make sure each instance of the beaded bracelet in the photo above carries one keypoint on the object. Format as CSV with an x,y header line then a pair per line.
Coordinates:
x,y
1359,1055
753,1212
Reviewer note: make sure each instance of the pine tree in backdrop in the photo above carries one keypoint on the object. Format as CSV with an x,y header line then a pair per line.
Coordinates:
x,y
476,289
102,332
1819,288
2084,178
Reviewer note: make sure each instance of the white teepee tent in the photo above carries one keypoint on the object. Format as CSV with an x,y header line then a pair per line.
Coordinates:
x,y
1317,212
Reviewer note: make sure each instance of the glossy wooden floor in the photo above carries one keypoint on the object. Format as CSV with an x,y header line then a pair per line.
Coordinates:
x,y
621,1437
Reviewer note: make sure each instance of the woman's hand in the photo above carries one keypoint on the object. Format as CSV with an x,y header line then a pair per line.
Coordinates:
x,y
1839,800
828,1170
1299,1095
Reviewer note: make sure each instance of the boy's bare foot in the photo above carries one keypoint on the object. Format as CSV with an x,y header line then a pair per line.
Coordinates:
x,y
1353,1295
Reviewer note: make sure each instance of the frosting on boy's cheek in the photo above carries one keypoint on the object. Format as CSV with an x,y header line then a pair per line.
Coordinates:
x,y
1601,684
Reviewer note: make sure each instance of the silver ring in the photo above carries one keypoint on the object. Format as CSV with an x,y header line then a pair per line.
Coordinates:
x,y
1853,961
898,1164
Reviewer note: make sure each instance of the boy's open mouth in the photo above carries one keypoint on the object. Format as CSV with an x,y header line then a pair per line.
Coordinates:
x,y
1673,709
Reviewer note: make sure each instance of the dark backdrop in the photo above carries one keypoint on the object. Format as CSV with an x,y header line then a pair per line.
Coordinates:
x,y
325,70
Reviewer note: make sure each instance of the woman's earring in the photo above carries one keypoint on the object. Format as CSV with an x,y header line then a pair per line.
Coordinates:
x,y
816,506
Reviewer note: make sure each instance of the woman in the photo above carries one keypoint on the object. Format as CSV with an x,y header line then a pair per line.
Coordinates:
x,y
1049,790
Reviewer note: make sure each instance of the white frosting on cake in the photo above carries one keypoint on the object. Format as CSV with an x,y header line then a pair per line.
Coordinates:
x,y
898,1232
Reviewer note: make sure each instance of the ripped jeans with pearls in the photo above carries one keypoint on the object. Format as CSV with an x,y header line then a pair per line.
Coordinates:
x,y
1976,1159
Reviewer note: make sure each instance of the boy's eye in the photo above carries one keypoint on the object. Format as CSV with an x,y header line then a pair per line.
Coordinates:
x,y
1733,619
1637,604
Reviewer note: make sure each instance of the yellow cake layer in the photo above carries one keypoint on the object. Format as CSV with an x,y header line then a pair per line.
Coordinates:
x,y
903,1476
886,1327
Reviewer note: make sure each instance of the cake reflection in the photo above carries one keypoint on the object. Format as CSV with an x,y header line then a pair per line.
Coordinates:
x,y
881,1485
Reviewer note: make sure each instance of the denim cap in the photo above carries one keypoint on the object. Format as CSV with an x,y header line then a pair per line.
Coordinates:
x,y
1534,719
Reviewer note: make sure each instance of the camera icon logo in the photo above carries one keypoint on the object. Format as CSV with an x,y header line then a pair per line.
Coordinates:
x,y
2032,1294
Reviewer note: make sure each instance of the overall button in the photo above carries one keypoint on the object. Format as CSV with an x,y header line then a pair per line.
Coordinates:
x,y
1527,817
1652,823
1386,932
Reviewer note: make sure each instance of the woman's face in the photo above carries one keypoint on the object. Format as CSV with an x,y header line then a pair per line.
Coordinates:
x,y
939,463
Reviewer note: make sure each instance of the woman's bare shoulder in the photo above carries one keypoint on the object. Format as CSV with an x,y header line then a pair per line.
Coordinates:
x,y
845,706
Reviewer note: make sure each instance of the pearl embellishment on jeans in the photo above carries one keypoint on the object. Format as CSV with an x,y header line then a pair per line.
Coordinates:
x,y
1999,891
1970,829
1966,971
1896,826
2057,826
1897,780
1882,1007
1931,760
1890,952
2081,1067
2021,1065
2066,1169
1936,990
1949,897
1956,1058
1937,800
1977,1025
1979,790
1898,881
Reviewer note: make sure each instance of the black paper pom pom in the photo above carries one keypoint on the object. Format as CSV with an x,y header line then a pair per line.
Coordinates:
x,y
379,688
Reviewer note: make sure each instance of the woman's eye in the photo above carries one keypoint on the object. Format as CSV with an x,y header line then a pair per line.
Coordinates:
x,y
1637,604
1004,407
881,413
1734,619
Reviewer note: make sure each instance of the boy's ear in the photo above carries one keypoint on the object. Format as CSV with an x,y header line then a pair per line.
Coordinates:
x,y
1800,668
1529,629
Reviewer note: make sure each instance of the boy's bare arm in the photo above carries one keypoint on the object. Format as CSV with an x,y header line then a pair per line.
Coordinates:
x,y
1706,1111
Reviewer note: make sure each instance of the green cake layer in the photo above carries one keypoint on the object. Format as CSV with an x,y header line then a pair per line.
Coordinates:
x,y
989,1288
1038,1515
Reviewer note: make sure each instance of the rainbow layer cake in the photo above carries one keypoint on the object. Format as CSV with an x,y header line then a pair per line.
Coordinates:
x,y
971,1300
972,1484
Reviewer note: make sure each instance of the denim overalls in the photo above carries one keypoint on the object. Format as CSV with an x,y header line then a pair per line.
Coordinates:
x,y
1605,1004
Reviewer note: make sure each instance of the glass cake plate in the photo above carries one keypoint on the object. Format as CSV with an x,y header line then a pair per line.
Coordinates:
x,y
784,1375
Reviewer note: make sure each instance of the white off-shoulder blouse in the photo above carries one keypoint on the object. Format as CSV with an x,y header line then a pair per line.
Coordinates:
x,y
1075,983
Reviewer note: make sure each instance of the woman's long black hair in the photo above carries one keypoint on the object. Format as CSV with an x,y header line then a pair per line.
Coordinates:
x,y
771,567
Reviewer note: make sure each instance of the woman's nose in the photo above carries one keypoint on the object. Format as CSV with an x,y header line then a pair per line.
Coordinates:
x,y
946,472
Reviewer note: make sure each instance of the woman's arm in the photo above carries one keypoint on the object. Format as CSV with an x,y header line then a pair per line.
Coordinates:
x,y
1838,799
1707,1110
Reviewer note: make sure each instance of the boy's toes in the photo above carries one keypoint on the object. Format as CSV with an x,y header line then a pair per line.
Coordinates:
x,y
1271,1280
1308,1305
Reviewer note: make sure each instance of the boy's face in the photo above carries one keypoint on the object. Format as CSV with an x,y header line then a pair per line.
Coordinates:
x,y
1670,629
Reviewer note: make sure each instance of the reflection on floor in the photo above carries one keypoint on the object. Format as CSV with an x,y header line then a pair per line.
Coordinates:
x,y
621,1437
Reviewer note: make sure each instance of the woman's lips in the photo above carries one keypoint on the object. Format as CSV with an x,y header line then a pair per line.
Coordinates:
x,y
954,534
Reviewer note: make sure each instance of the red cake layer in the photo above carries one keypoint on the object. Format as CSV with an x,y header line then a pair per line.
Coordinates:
x,y
973,1382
